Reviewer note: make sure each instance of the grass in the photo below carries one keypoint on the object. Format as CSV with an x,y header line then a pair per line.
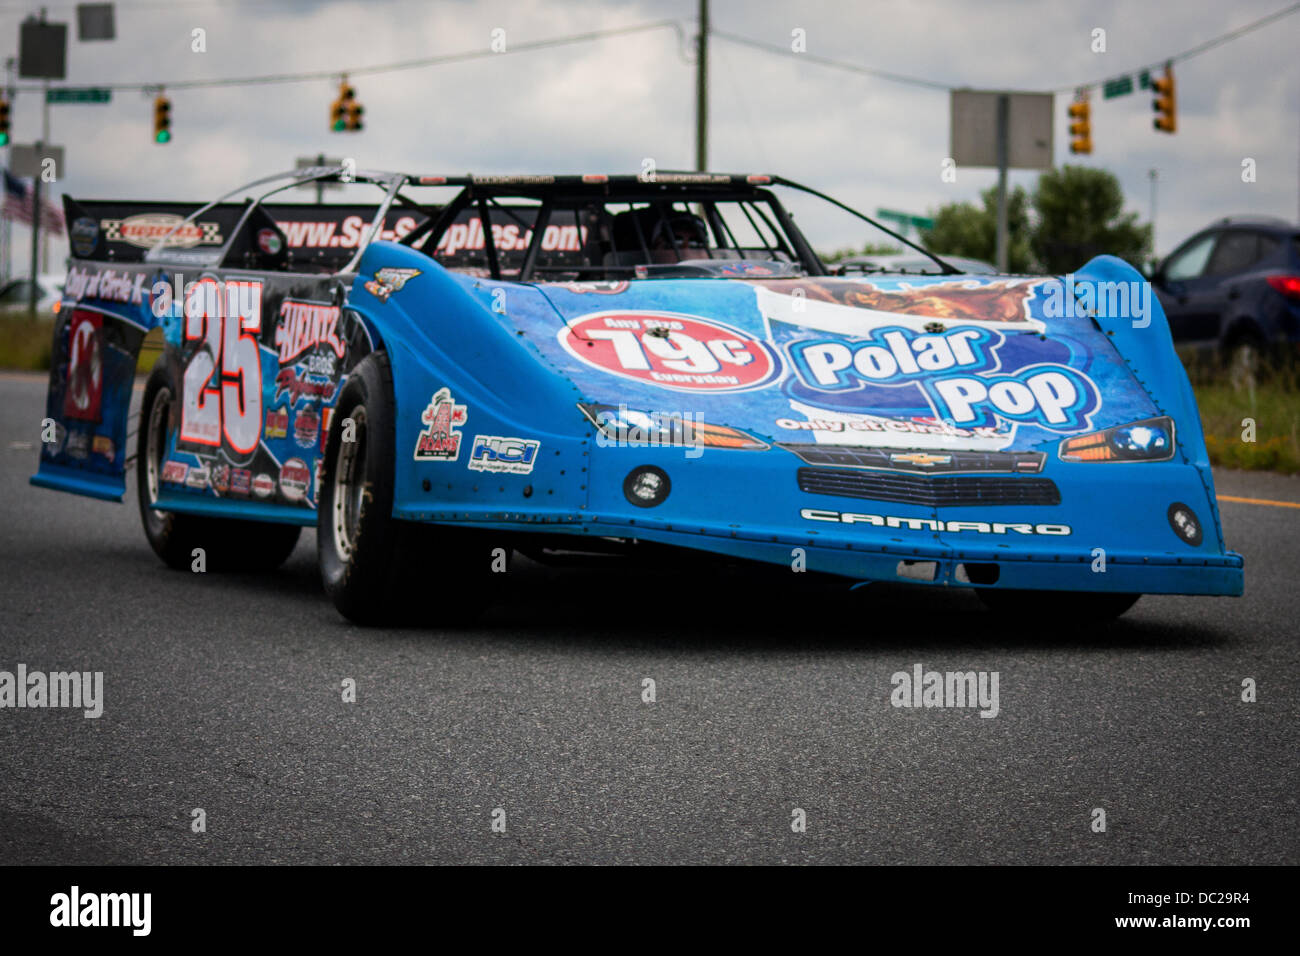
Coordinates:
x,y
1273,403
24,343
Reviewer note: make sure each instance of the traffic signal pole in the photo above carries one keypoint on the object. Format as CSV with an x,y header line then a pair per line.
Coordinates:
x,y
702,91
36,199
1004,123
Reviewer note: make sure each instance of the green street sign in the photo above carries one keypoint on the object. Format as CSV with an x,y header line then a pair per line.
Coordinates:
x,y
83,94
905,219
1120,86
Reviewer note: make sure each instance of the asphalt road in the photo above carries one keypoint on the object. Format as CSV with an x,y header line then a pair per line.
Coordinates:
x,y
224,693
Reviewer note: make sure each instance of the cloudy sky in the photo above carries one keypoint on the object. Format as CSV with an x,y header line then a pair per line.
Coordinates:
x,y
608,104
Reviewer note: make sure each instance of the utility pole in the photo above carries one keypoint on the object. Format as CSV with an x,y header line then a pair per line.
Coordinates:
x,y
1004,124
6,228
320,186
702,91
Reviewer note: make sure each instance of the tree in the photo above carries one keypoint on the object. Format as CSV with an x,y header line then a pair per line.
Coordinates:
x,y
870,249
964,229
1080,215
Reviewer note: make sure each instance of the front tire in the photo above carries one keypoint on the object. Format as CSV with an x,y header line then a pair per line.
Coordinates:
x,y
376,568
228,544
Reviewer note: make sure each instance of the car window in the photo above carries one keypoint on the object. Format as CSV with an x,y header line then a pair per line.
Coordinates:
x,y
16,291
1190,263
1268,246
1236,252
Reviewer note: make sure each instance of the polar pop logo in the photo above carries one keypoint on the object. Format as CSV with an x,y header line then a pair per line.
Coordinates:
x,y
680,352
1050,395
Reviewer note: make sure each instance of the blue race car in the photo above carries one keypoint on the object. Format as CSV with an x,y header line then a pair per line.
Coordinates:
x,y
558,365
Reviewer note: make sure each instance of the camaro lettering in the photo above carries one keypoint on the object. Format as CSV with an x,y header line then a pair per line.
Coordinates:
x,y
934,524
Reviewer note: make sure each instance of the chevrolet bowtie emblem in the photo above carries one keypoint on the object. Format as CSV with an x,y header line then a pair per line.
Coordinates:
x,y
920,458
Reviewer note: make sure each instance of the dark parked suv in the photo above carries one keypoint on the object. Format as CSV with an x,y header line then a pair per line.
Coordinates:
x,y
1235,287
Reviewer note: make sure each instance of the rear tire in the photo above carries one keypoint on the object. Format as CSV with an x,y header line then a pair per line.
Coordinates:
x,y
376,568
1064,606
228,544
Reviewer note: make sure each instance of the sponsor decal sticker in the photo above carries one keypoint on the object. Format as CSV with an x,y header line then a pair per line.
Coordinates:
x,y
263,485
220,478
296,384
295,479
174,472
306,426
112,284
269,241
307,327
681,352
85,388
440,440
388,280
198,477
515,456
103,445
83,236
277,422
77,445
240,481
148,229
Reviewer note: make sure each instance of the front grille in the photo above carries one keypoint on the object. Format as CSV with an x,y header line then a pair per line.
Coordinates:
x,y
943,491
917,460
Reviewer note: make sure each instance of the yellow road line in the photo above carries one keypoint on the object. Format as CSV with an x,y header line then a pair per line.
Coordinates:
x,y
1260,501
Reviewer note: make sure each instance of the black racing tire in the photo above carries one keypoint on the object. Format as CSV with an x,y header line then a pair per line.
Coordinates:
x,y
1064,606
378,569
228,544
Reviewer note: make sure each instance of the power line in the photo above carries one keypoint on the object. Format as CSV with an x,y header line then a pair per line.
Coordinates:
x,y
1198,49
836,64
924,83
420,63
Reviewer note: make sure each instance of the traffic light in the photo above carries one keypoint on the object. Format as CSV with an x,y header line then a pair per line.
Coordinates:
x,y
1166,103
162,119
338,109
4,122
345,112
354,111
1081,127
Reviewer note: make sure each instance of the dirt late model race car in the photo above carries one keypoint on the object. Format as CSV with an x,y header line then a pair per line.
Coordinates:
x,y
459,367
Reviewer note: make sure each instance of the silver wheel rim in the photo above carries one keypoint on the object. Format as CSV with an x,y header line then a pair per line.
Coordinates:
x,y
349,485
154,445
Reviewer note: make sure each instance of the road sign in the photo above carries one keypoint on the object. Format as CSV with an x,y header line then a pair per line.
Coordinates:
x,y
95,22
82,94
27,161
307,162
975,125
905,220
42,50
1120,86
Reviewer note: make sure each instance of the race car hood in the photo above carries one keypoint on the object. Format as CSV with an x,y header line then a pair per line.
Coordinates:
x,y
980,363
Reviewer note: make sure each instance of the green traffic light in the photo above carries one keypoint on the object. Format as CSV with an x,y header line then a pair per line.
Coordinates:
x,y
338,126
4,139
162,136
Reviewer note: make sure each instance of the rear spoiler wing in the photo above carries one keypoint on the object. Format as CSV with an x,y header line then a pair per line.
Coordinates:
x,y
318,235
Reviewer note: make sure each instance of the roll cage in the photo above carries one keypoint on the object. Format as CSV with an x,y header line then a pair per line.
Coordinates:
x,y
549,198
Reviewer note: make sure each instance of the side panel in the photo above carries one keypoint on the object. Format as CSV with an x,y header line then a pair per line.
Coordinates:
x,y
97,337
257,360
485,426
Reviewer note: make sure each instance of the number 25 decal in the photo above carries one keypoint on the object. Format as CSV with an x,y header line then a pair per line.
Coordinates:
x,y
222,389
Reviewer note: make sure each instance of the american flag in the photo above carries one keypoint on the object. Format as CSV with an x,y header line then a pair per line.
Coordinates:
x,y
18,206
